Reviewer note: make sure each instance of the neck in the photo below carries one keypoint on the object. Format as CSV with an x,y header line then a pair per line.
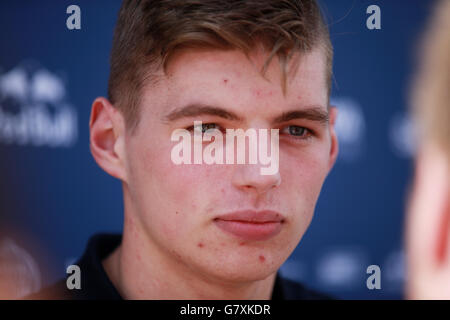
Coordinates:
x,y
139,270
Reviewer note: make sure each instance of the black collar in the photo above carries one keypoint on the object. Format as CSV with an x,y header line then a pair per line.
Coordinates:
x,y
96,285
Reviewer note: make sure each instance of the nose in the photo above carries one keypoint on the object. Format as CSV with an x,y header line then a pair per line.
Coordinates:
x,y
247,177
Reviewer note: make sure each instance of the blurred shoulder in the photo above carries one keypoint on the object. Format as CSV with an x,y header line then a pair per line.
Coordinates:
x,y
56,291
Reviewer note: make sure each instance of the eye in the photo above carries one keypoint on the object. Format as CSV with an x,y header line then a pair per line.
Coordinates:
x,y
297,132
206,126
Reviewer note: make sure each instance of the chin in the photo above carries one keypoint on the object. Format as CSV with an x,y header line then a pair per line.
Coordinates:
x,y
245,272
250,276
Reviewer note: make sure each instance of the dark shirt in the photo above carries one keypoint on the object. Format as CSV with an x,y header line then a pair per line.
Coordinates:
x,y
95,283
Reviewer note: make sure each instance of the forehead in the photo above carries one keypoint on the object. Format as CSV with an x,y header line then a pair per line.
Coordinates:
x,y
229,78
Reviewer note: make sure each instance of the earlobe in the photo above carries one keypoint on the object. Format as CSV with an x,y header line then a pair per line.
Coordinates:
x,y
106,137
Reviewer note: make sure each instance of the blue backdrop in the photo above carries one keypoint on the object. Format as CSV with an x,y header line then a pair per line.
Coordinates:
x,y
53,196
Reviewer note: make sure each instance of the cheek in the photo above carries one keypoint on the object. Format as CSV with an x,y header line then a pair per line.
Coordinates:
x,y
176,196
303,174
157,187
302,179
190,187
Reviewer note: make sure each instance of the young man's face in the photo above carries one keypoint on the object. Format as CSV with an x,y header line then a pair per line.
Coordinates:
x,y
179,207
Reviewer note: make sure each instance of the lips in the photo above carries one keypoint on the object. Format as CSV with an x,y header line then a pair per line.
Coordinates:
x,y
251,225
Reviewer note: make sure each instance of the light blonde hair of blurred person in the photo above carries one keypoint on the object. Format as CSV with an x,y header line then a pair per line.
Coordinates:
x,y
428,219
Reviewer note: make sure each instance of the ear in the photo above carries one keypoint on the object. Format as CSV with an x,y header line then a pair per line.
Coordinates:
x,y
106,127
334,147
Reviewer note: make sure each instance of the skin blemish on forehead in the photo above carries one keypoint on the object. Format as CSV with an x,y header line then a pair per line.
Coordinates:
x,y
200,245
242,243
262,258
262,93
225,81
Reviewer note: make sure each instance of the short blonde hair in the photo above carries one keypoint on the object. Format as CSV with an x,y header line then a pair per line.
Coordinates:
x,y
431,89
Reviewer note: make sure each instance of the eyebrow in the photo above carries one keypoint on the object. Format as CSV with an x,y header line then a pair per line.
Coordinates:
x,y
193,110
313,113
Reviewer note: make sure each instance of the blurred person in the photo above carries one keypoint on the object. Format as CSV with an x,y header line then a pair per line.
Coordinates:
x,y
428,220
209,231
19,272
